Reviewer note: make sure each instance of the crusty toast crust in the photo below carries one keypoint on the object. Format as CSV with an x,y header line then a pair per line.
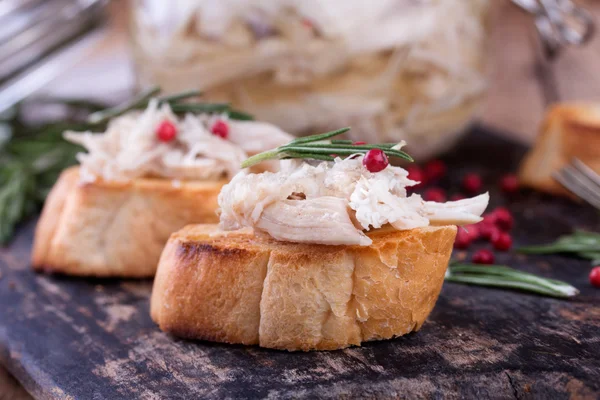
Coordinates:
x,y
568,131
237,287
116,229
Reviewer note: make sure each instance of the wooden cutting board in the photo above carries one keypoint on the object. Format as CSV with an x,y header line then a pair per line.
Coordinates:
x,y
66,338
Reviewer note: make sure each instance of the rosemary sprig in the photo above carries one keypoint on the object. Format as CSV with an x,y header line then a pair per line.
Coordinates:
x,y
506,277
581,244
139,101
16,185
318,147
31,158
142,100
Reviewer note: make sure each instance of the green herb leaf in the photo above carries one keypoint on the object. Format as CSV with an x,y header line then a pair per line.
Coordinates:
x,y
32,158
506,277
141,100
317,147
580,244
240,115
16,184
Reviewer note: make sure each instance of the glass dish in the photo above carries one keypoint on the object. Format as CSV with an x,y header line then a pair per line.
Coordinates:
x,y
390,69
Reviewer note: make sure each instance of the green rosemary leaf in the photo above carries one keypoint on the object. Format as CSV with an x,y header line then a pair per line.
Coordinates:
x,y
340,141
240,115
140,100
506,277
318,147
16,184
179,96
321,157
200,107
319,150
322,136
260,157
504,283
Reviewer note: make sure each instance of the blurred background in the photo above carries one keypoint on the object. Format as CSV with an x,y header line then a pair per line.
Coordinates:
x,y
422,72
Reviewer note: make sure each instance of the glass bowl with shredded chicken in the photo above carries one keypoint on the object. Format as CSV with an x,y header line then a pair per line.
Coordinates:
x,y
391,69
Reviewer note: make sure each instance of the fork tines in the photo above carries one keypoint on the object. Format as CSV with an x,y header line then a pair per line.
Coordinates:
x,y
581,180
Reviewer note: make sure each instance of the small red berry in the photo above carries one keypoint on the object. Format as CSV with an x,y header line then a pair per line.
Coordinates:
x,y
474,232
307,23
435,194
472,183
375,160
509,183
166,131
435,169
359,143
489,218
501,241
416,174
221,129
457,196
463,239
503,219
487,230
483,256
595,276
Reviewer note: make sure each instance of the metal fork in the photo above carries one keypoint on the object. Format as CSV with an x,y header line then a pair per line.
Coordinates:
x,y
581,180
39,39
560,23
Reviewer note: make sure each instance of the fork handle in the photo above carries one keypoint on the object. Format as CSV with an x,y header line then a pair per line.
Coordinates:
x,y
560,23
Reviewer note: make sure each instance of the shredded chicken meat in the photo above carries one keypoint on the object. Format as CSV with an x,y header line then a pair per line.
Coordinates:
x,y
334,203
129,148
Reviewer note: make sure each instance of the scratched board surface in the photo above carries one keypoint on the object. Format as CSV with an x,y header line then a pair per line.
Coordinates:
x,y
70,338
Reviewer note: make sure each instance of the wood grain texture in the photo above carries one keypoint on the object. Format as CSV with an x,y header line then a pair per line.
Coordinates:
x,y
93,339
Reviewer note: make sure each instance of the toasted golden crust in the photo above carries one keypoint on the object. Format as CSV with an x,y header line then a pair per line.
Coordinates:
x,y
568,131
116,229
236,287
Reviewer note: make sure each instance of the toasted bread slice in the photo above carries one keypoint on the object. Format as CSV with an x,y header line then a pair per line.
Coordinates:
x,y
237,287
109,229
568,131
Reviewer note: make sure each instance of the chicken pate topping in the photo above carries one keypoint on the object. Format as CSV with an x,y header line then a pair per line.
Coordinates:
x,y
157,142
335,202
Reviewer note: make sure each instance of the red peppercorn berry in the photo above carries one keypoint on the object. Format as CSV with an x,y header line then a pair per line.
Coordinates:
x,y
359,143
472,183
509,183
463,239
487,230
501,241
489,219
503,219
221,129
435,194
416,174
483,256
435,170
375,160
595,276
166,131
474,232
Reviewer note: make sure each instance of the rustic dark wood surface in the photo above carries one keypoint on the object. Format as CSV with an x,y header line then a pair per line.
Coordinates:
x,y
93,339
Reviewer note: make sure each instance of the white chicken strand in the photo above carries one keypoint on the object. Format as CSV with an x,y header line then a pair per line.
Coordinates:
x,y
343,198
129,148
